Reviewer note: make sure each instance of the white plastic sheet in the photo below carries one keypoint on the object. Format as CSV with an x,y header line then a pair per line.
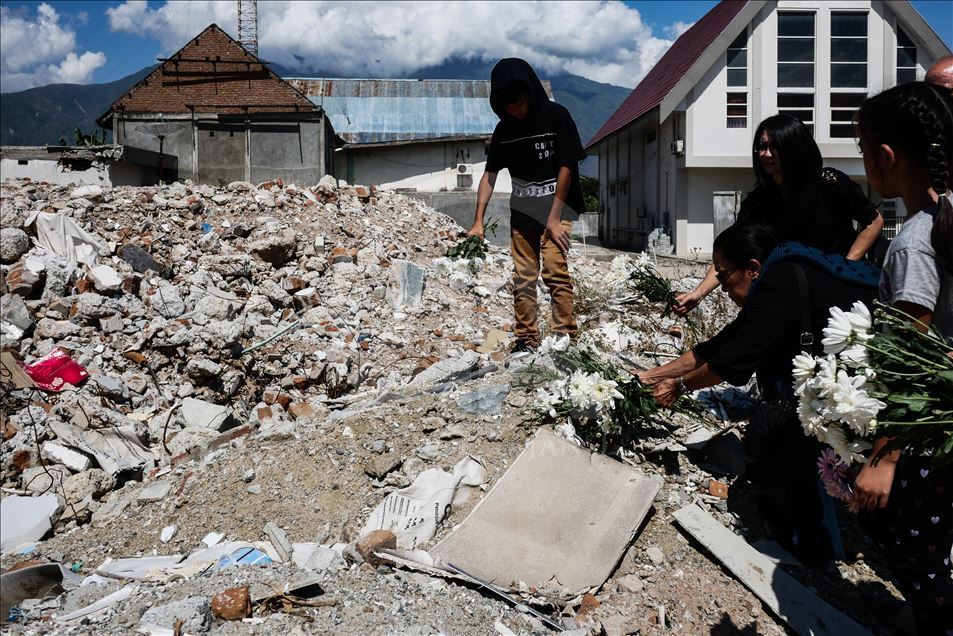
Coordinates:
x,y
413,513
61,235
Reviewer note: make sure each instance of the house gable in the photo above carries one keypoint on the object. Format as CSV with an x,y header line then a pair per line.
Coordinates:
x,y
212,73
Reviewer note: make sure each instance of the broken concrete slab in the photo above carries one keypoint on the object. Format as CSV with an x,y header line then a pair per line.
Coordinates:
x,y
195,614
155,491
59,454
486,401
202,414
559,519
405,286
105,278
800,608
25,519
446,370
115,448
279,539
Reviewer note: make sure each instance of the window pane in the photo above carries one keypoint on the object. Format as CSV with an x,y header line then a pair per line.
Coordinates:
x,y
737,77
737,98
848,24
795,24
842,131
847,100
737,122
906,57
796,99
903,39
846,114
739,110
741,41
795,50
803,115
737,58
849,50
796,75
905,75
849,75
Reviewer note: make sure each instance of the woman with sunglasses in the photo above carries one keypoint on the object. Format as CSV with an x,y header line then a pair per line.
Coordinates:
x,y
785,292
800,200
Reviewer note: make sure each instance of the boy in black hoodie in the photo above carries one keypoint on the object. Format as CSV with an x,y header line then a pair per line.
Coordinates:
x,y
537,141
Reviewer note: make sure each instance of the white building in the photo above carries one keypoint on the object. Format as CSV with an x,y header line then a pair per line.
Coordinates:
x,y
677,152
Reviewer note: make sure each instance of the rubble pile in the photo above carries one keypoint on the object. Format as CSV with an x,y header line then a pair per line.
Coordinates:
x,y
208,392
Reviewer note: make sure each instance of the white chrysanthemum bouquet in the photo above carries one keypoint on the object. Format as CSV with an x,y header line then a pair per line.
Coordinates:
x,y
878,378
593,389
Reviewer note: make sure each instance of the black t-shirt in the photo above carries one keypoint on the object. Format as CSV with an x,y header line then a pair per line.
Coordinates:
x,y
765,337
820,214
533,154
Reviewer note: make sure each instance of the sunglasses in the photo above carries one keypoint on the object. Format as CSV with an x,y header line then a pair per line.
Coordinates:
x,y
722,277
763,146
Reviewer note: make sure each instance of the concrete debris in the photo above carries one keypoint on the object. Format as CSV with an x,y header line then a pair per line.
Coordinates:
x,y
303,360
14,243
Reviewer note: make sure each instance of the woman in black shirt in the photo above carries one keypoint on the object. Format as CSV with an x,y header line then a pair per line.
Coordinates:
x,y
781,315
799,200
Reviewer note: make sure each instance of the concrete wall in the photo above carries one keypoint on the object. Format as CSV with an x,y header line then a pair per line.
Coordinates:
x,y
219,152
694,227
99,173
460,207
425,167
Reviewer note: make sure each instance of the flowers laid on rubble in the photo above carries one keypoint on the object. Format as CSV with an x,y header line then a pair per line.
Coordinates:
x,y
878,377
592,388
473,246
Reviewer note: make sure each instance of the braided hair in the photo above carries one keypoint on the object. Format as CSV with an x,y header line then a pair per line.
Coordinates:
x,y
916,119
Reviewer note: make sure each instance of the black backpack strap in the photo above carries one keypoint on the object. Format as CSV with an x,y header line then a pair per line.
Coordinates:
x,y
804,297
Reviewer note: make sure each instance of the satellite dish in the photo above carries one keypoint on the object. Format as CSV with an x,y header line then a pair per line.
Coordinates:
x,y
160,130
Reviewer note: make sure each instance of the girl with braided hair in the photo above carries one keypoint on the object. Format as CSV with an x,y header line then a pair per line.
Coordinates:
x,y
906,137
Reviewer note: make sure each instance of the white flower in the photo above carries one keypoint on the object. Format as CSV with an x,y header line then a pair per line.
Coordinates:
x,y
643,261
443,267
566,431
804,367
854,356
825,376
460,282
849,451
580,389
604,393
554,343
854,406
462,265
846,328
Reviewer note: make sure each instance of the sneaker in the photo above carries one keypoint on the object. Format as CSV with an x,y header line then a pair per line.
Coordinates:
x,y
521,348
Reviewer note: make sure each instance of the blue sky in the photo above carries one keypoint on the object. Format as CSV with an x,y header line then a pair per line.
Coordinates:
x,y
92,42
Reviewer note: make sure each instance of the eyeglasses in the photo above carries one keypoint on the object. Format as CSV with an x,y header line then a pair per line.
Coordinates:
x,y
722,277
763,146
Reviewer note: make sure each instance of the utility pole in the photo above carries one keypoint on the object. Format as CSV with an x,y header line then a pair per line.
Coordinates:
x,y
248,25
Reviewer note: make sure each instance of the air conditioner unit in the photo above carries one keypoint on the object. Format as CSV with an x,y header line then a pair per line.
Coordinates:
x,y
464,168
678,147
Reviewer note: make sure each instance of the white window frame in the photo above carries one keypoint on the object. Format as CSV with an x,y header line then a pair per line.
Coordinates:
x,y
865,63
916,51
812,63
743,119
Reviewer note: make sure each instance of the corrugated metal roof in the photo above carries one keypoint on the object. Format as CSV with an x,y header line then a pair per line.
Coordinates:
x,y
374,111
667,72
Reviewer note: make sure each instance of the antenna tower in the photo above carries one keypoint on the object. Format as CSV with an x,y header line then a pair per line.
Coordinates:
x,y
248,25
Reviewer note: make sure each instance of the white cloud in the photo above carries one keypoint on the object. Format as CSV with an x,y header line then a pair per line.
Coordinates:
x,y
675,30
604,41
38,50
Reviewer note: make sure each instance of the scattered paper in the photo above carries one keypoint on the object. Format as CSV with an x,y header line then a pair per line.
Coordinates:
x,y
413,513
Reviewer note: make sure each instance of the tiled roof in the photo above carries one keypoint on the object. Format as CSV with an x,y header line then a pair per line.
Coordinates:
x,y
667,72
212,73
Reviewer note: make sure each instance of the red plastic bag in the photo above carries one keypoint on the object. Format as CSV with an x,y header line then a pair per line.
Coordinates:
x,y
54,370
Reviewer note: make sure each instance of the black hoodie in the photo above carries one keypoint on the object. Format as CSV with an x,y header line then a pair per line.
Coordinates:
x,y
535,148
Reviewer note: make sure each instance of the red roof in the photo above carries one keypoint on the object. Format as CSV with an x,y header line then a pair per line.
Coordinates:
x,y
669,70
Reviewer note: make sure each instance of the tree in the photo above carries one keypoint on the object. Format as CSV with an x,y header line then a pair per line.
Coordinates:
x,y
590,193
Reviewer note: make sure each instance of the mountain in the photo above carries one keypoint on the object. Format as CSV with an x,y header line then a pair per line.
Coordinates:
x,y
39,116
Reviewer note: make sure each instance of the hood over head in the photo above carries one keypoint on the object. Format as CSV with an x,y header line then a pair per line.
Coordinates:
x,y
510,70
